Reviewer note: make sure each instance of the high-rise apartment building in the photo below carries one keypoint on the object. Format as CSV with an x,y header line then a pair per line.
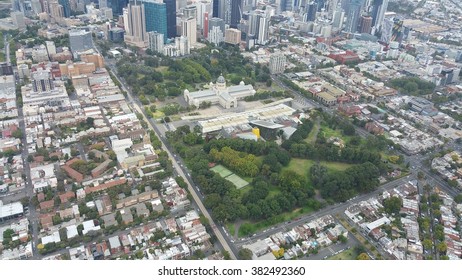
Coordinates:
x,y
365,24
277,63
189,30
80,40
232,36
156,42
216,33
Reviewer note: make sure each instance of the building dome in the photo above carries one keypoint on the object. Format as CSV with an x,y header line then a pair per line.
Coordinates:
x,y
242,83
221,80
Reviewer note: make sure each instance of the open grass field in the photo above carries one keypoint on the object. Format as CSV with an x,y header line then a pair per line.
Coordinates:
x,y
302,166
249,227
311,139
349,254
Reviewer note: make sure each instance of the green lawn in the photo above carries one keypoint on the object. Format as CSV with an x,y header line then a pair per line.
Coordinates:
x,y
311,139
349,254
328,132
162,69
302,166
249,228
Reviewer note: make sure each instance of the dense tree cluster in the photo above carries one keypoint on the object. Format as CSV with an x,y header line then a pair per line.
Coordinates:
x,y
340,186
412,86
322,150
150,82
239,155
267,94
392,205
241,163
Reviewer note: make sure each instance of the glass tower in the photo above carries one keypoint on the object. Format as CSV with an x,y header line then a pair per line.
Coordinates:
x,y
156,17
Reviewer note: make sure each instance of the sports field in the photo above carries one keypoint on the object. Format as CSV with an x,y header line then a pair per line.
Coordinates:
x,y
230,176
223,171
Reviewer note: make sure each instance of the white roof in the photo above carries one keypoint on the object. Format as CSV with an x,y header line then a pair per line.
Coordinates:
x,y
72,231
11,209
114,242
54,237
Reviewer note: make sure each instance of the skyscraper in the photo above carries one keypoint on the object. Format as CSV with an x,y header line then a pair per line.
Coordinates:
x,y
189,30
80,40
171,18
216,31
236,12
338,18
365,25
190,11
277,63
353,13
206,25
215,7
117,6
320,4
203,6
136,24
263,28
311,10
66,7
156,17
379,8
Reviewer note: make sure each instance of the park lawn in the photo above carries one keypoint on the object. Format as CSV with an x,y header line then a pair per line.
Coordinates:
x,y
162,69
249,227
349,254
302,166
158,114
311,139
246,189
329,132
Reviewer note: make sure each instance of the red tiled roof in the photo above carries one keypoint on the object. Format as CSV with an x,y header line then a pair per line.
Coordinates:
x,y
66,196
47,204
105,186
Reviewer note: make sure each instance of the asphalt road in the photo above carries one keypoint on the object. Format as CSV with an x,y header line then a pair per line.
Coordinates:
x,y
33,215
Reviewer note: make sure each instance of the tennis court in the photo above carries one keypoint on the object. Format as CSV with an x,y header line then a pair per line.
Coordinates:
x,y
237,181
223,171
230,176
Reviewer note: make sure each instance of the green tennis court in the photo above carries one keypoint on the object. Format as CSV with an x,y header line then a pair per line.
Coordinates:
x,y
230,176
220,169
237,181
